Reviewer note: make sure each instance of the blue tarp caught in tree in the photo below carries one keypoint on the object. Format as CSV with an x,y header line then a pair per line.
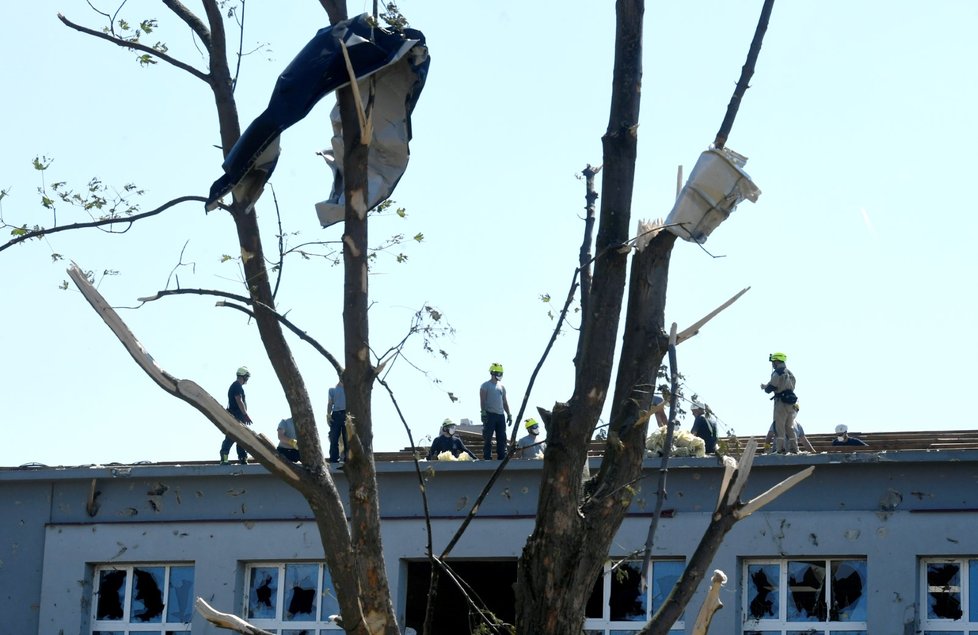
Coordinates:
x,y
397,62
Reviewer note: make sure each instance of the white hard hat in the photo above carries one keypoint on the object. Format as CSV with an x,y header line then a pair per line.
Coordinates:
x,y
841,429
696,406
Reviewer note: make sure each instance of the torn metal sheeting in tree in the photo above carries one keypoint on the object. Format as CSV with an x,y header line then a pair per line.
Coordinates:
x,y
715,187
399,63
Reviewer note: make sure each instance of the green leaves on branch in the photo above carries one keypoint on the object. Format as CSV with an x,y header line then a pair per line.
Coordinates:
x,y
96,199
126,32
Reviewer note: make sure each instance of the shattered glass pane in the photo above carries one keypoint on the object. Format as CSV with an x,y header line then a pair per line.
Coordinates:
x,y
300,591
806,591
180,595
627,601
263,592
147,594
665,573
848,591
111,595
327,597
762,591
944,590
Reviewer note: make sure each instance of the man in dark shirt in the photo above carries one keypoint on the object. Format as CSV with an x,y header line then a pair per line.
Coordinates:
x,y
448,442
705,427
238,408
842,437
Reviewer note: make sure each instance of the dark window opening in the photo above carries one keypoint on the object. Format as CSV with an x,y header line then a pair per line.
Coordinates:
x,y
627,598
111,586
491,581
847,589
147,604
806,587
764,592
944,590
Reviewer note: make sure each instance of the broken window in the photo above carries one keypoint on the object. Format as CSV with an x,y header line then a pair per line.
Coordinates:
x,y
949,591
780,595
280,595
618,604
127,598
491,581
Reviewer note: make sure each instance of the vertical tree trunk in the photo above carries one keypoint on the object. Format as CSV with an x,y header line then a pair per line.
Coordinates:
x,y
568,547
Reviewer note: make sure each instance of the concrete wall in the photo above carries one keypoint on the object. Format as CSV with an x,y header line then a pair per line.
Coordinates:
x,y
890,509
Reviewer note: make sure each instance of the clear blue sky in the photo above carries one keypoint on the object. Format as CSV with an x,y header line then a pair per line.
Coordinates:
x,y
858,127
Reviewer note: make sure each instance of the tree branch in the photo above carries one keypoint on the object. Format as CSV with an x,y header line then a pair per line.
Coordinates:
x,y
696,326
711,605
100,223
137,47
746,72
302,335
226,620
196,24
184,389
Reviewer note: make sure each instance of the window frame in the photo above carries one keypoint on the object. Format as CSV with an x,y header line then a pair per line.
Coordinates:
x,y
279,623
781,625
604,625
125,624
968,576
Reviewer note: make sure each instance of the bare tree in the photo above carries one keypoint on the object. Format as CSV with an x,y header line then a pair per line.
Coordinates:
x,y
577,514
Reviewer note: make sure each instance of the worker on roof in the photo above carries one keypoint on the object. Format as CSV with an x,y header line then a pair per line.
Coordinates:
x,y
531,446
842,437
495,412
448,442
781,387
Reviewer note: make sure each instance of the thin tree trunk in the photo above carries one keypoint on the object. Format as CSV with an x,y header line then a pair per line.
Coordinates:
x,y
746,72
558,567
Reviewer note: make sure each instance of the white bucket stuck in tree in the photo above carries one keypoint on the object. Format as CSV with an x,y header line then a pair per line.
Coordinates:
x,y
715,187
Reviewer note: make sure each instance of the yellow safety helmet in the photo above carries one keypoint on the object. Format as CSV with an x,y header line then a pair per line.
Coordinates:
x,y
496,368
530,423
447,423
244,372
777,357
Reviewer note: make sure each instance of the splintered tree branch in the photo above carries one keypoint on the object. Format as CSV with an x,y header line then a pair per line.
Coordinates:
x,y
136,46
724,518
696,326
226,620
711,605
184,389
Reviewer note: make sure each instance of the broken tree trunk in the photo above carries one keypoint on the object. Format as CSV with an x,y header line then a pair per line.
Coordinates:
x,y
729,510
711,605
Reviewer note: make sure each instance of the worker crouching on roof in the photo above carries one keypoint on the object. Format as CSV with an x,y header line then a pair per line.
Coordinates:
x,y
448,442
782,385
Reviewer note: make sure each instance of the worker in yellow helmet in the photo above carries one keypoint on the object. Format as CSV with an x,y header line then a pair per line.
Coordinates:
x,y
495,412
531,446
781,387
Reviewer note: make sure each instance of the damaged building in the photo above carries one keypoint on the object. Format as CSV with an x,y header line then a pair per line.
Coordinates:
x,y
879,540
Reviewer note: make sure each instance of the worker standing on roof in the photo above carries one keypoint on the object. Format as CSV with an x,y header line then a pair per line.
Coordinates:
x,y
238,408
704,426
782,385
495,412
